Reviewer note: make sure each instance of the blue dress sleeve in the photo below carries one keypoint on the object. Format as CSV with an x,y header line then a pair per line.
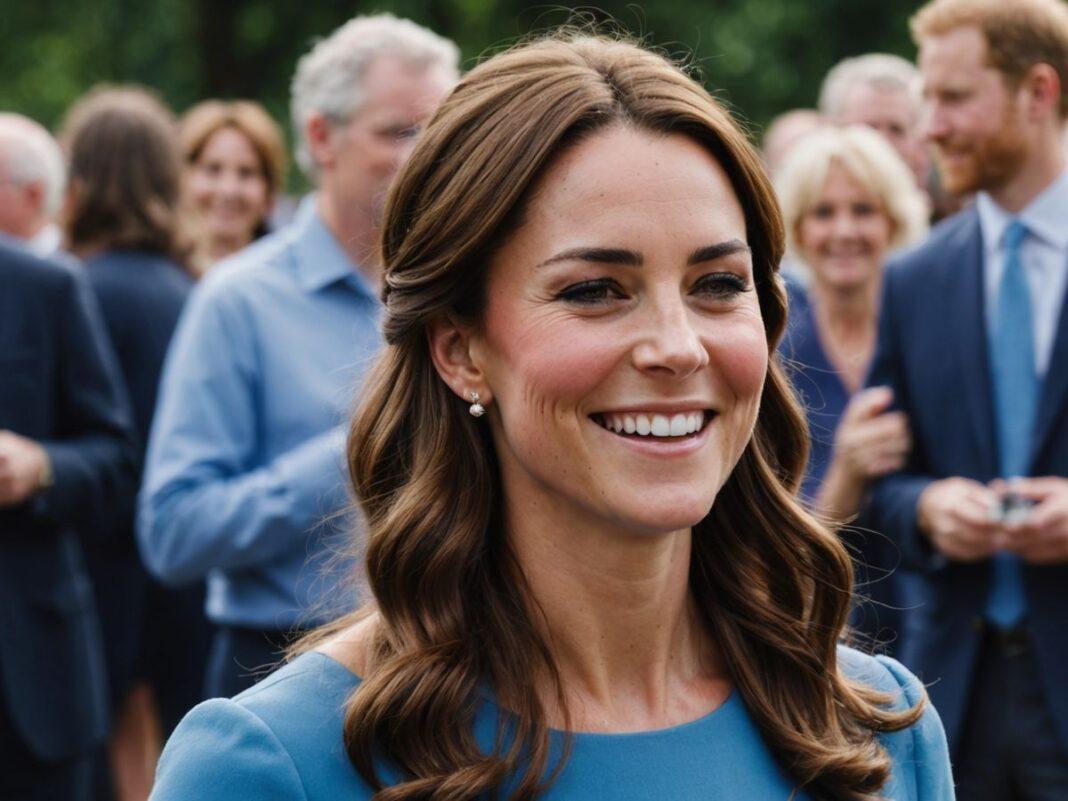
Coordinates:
x,y
930,753
221,751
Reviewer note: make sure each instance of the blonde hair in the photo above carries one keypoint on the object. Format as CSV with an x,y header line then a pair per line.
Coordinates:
x,y
456,614
1018,34
871,161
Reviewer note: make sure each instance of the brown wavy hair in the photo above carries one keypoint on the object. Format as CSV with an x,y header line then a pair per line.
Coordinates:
x,y
124,172
773,584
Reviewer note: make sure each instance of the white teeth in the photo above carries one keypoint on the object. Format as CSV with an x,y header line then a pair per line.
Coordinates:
x,y
679,424
657,425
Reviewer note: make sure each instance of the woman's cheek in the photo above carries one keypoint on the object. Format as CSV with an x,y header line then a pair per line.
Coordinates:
x,y
740,360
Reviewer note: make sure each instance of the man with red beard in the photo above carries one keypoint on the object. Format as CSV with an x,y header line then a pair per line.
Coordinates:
x,y
973,340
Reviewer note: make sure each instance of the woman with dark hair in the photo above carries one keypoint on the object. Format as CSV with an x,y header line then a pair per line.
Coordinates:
x,y
577,465
233,166
121,220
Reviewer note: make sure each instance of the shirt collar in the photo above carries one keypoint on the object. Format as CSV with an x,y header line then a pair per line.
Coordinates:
x,y
321,261
1045,216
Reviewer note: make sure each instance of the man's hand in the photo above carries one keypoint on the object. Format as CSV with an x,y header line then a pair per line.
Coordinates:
x,y
1042,536
23,465
955,515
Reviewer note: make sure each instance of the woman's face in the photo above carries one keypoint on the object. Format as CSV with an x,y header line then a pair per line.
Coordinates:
x,y
623,342
845,234
226,187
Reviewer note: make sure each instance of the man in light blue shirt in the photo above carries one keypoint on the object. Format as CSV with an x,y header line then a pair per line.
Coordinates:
x,y
244,478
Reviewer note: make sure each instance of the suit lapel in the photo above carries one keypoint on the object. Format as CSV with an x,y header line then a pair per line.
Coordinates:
x,y
970,332
1054,387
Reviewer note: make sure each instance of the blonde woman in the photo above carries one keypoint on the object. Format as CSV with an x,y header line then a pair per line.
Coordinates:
x,y
848,201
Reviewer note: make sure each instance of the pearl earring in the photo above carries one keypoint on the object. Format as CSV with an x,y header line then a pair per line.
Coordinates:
x,y
476,408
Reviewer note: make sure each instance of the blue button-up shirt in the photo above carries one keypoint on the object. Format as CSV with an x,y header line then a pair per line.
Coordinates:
x,y
244,473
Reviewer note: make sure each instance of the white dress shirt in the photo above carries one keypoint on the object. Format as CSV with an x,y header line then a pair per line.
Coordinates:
x,y
1043,254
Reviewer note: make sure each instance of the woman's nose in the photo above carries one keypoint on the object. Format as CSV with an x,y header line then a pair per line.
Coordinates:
x,y
670,344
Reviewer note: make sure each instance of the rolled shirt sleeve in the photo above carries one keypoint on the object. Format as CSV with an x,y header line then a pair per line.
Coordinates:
x,y
206,503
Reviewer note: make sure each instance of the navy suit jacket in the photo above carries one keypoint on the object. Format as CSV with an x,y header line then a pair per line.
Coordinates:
x,y
932,350
59,385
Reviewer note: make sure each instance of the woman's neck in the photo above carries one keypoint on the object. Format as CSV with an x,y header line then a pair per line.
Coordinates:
x,y
217,248
619,620
852,310
846,320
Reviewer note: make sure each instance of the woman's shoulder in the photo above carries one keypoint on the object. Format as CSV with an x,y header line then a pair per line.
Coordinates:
x,y
882,673
919,752
280,739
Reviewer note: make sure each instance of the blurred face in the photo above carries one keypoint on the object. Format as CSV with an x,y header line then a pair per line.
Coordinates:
x,y
623,340
226,187
365,153
21,205
892,114
845,234
971,115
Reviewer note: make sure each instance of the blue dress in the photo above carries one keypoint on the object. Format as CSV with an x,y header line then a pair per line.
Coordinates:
x,y
817,384
282,739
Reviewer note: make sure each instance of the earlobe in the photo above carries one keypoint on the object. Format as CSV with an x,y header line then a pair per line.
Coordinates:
x,y
451,351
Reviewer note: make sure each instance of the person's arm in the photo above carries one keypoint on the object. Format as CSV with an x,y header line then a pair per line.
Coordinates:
x,y
92,458
931,519
207,502
223,751
893,502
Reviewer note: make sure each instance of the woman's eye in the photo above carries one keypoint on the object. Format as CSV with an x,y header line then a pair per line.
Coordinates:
x,y
720,285
590,293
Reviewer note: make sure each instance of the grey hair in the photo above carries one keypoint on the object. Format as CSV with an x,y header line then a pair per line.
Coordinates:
x,y
883,71
30,154
329,77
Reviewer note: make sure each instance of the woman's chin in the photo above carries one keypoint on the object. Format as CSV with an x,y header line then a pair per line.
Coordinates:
x,y
664,517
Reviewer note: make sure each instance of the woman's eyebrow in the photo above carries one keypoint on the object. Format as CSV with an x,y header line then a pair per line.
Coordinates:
x,y
628,258
718,251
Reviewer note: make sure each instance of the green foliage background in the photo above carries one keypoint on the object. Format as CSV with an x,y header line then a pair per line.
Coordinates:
x,y
763,56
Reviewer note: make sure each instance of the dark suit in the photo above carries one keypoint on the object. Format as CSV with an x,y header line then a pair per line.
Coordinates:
x,y
150,632
932,350
59,386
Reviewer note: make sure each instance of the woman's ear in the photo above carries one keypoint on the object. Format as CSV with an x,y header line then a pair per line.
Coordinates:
x,y
451,349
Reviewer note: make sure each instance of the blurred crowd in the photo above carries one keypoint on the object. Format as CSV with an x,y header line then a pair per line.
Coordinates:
x,y
181,343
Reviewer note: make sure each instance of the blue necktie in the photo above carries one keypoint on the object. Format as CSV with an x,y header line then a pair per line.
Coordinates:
x,y
1012,361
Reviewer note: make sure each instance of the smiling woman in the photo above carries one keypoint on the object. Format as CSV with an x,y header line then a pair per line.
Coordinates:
x,y
234,163
602,587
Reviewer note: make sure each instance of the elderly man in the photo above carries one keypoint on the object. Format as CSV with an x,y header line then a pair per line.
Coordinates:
x,y
883,92
32,179
243,478
973,340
